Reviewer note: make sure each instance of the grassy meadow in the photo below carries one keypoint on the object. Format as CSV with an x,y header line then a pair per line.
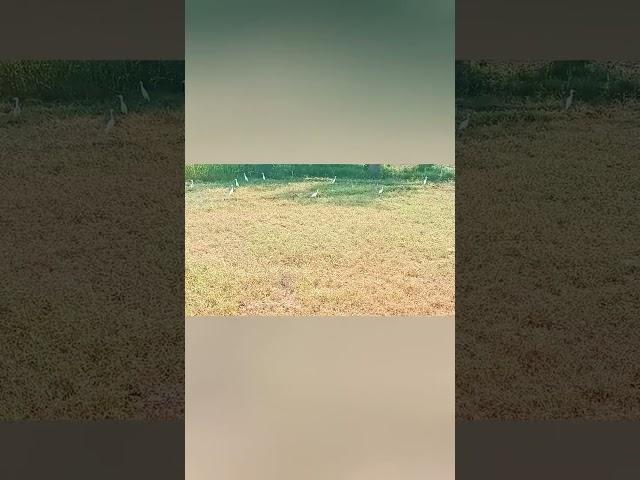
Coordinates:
x,y
547,251
68,103
92,326
270,248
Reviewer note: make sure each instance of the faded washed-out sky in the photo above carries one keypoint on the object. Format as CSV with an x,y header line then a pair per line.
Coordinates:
x,y
338,82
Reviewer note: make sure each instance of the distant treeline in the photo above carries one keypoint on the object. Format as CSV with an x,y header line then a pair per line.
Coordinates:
x,y
87,80
225,173
593,81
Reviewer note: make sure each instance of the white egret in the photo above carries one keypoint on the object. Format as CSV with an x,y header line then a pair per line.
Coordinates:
x,y
16,110
231,190
381,189
424,182
144,92
263,177
569,101
237,184
464,124
314,194
245,177
123,106
111,122
334,179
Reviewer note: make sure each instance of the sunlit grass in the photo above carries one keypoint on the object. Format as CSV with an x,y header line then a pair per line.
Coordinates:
x,y
90,322
271,249
547,264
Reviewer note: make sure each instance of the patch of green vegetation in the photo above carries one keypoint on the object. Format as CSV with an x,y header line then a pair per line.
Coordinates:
x,y
594,81
82,81
344,192
285,172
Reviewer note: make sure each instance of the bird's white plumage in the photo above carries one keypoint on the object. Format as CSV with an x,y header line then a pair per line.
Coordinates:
x,y
569,101
245,177
16,110
314,194
464,124
123,106
263,177
237,184
381,190
144,92
334,179
111,122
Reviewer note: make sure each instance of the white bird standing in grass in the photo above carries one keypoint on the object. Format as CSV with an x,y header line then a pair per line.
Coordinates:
x,y
123,106
237,184
464,124
144,92
315,194
16,110
334,179
111,122
569,101
263,177
231,190
245,177
381,190
424,182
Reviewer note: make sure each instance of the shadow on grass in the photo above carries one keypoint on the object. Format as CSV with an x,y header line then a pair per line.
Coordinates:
x,y
61,109
353,193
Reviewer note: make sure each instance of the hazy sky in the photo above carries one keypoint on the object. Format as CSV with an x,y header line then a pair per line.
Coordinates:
x,y
284,81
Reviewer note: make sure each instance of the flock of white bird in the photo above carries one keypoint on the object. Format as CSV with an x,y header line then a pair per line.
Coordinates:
x,y
17,110
124,110
462,126
235,185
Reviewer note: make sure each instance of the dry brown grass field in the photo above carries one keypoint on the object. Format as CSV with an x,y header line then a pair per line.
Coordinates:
x,y
270,249
548,263
91,327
